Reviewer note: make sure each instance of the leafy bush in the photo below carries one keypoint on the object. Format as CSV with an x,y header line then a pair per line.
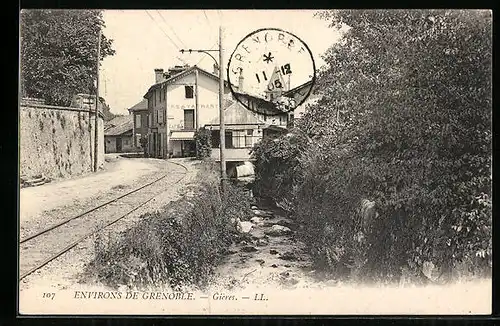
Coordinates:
x,y
203,138
412,91
180,245
277,165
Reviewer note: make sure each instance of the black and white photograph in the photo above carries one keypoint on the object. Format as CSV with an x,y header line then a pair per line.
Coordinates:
x,y
255,162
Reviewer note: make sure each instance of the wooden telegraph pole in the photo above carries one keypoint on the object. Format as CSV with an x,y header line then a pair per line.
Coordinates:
x,y
221,101
196,125
221,113
96,124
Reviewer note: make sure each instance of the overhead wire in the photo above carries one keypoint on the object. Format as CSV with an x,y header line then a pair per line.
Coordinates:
x,y
211,48
168,37
170,27
210,26
206,18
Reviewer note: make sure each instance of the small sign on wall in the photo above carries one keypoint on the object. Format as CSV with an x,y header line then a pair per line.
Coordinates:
x,y
183,107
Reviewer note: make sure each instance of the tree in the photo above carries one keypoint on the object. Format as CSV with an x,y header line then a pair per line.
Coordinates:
x,y
106,110
203,139
414,89
58,53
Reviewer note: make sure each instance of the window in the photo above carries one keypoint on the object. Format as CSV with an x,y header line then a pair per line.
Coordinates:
x,y
160,116
248,138
239,137
138,121
125,142
156,121
189,91
188,119
150,120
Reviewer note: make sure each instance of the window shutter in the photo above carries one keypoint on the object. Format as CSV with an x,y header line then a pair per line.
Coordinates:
x,y
160,116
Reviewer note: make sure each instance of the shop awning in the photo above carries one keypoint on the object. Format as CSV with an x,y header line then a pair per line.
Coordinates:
x,y
182,135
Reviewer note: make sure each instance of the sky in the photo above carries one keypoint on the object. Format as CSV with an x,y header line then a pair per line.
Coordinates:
x,y
149,39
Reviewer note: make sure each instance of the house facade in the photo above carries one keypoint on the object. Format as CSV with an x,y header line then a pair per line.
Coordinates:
x,y
140,122
243,129
118,135
182,100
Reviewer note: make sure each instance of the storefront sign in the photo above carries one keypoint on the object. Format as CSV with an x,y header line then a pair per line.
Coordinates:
x,y
192,107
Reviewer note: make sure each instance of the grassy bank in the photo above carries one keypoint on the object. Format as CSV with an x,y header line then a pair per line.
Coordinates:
x,y
178,246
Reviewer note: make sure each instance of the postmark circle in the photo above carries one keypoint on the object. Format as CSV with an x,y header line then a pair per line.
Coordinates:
x,y
271,71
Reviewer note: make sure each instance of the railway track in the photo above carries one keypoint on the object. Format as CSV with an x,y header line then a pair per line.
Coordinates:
x,y
39,249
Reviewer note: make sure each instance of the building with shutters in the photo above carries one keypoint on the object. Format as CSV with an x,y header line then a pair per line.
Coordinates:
x,y
140,122
243,129
184,98
181,100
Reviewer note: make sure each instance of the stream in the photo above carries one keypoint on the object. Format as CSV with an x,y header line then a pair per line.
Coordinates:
x,y
267,253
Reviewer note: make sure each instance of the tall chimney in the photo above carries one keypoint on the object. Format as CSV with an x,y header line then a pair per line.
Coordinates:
x,y
240,81
158,75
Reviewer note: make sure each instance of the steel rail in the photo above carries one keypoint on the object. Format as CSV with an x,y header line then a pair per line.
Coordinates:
x,y
76,242
92,209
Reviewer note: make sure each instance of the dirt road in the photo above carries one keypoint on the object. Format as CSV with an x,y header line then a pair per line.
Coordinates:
x,y
61,200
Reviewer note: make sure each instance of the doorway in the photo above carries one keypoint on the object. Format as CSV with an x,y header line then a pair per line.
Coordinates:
x,y
118,144
188,148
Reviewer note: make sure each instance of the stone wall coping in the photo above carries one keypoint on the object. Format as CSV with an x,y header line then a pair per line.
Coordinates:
x,y
26,104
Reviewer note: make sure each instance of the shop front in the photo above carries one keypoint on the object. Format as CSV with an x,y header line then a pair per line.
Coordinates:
x,y
182,144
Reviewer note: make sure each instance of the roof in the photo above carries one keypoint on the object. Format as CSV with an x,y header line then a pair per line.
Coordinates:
x,y
295,89
141,106
237,114
182,74
263,106
267,107
119,125
228,102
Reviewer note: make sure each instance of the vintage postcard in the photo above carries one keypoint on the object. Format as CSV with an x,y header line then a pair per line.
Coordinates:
x,y
244,162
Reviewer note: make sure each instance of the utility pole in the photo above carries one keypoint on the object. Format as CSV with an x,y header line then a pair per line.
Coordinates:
x,y
96,124
221,113
196,115
196,103
220,64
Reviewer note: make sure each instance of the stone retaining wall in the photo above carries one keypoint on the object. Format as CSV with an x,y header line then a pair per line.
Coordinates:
x,y
57,142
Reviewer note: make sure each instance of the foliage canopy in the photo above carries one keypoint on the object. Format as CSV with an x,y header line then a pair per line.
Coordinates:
x,y
412,89
59,53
